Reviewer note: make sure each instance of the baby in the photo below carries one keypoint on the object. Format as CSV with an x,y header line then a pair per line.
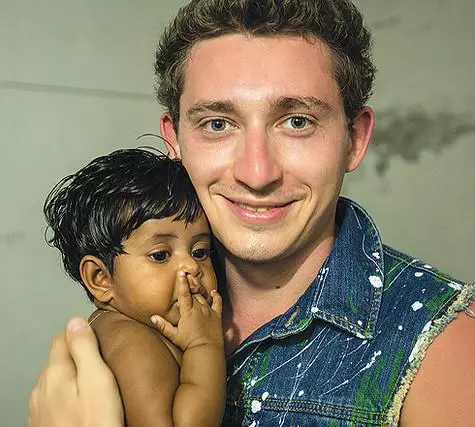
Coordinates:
x,y
132,232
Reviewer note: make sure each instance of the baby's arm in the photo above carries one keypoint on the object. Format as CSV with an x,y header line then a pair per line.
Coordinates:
x,y
200,397
145,370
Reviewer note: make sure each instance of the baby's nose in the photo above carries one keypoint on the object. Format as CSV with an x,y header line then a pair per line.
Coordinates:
x,y
190,266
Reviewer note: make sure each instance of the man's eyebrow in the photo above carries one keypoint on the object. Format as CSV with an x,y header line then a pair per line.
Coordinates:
x,y
210,106
281,103
308,102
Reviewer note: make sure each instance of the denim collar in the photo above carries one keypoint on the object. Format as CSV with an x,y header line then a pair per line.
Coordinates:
x,y
347,290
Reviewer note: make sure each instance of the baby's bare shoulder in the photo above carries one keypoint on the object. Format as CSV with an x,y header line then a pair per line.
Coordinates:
x,y
119,333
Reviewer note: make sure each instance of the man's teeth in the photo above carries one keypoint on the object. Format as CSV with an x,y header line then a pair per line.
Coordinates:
x,y
251,208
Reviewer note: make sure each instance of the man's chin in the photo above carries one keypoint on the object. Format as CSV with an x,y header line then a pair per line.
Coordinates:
x,y
258,254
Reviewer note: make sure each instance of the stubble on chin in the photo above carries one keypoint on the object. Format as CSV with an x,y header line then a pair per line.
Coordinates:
x,y
253,250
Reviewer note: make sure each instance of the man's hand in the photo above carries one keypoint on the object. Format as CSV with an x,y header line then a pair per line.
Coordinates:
x,y
76,388
200,323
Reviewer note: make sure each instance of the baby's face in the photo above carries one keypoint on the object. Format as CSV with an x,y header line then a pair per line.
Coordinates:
x,y
144,277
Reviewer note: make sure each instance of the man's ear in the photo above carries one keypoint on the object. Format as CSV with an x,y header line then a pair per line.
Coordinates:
x,y
167,131
360,136
97,278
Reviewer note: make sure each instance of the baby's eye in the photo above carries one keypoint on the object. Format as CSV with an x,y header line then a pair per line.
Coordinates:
x,y
160,256
200,254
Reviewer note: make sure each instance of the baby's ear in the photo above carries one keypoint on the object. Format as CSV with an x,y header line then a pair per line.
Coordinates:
x,y
97,278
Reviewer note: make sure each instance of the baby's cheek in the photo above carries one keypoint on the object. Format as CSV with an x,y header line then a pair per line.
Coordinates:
x,y
210,278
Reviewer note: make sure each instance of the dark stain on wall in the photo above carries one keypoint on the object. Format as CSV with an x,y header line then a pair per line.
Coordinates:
x,y
408,134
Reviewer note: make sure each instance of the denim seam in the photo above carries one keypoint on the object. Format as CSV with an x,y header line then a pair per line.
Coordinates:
x,y
343,321
296,405
290,331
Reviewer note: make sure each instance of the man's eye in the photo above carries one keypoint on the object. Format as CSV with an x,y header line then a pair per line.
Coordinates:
x,y
217,125
200,254
160,256
297,122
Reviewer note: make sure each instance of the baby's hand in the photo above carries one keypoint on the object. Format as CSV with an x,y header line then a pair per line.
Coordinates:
x,y
199,324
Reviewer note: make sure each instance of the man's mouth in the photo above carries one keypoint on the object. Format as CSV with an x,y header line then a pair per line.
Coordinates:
x,y
260,213
255,208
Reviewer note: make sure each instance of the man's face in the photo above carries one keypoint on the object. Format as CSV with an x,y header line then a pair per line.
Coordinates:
x,y
264,137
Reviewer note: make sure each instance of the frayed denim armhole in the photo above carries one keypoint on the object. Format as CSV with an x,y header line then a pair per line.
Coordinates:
x,y
428,335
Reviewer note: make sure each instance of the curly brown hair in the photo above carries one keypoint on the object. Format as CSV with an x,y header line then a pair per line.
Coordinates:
x,y
338,23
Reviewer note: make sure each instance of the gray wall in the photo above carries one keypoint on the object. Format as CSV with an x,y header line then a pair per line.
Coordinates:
x,y
418,180
76,81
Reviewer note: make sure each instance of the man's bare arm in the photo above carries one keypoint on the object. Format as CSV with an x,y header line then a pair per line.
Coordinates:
x,y
443,393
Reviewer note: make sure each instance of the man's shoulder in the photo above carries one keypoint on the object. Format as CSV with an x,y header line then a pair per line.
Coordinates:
x,y
432,304
426,298
442,391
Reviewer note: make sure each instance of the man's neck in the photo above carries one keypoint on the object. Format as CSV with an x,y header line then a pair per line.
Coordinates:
x,y
258,292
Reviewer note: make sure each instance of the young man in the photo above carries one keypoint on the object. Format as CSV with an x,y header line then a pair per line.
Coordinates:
x,y
324,325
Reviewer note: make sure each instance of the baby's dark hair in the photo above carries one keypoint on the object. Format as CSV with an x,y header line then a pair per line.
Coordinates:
x,y
92,211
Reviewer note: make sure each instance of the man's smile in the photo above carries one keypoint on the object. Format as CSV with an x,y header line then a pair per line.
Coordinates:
x,y
259,212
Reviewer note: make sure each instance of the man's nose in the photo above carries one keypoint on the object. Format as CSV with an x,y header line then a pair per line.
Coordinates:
x,y
256,164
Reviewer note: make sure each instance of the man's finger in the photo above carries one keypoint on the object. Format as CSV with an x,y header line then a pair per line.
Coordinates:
x,y
85,353
60,366
32,402
82,343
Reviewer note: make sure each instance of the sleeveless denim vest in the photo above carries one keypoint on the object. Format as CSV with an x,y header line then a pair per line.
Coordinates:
x,y
345,353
